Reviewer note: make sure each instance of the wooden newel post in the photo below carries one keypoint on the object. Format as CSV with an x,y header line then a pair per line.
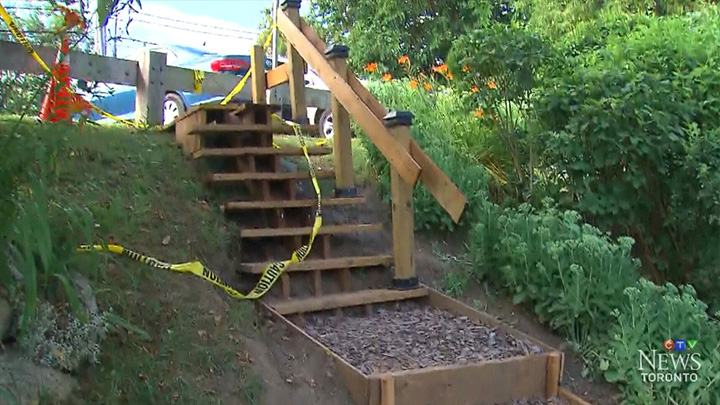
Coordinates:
x,y
150,87
296,66
257,64
342,134
398,124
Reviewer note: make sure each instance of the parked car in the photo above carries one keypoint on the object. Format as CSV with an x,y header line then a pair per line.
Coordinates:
x,y
120,100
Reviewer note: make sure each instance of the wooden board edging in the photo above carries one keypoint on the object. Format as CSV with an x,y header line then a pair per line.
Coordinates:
x,y
571,398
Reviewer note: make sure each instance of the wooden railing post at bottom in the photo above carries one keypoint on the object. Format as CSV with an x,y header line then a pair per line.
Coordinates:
x,y
296,67
342,134
398,124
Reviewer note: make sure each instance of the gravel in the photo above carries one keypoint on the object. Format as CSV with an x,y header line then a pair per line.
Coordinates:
x,y
415,338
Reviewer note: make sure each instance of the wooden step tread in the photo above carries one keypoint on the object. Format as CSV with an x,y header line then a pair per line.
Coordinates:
x,y
229,129
305,230
326,264
332,301
228,177
273,204
282,151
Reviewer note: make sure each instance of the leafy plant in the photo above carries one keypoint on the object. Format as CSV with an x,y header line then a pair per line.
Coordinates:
x,y
568,272
649,315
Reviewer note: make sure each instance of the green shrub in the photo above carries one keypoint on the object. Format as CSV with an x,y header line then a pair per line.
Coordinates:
x,y
623,132
443,129
568,272
650,314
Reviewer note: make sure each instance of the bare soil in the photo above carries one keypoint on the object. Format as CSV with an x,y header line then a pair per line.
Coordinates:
x,y
413,337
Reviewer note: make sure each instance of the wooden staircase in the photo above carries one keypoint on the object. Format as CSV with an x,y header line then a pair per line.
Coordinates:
x,y
235,142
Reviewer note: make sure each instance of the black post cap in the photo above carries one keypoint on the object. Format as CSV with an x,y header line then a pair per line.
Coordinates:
x,y
286,4
337,51
403,284
398,118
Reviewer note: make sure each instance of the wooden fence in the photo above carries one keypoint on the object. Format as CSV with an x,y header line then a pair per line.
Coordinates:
x,y
152,77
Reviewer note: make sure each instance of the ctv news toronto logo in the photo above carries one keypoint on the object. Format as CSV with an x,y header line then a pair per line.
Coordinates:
x,y
679,362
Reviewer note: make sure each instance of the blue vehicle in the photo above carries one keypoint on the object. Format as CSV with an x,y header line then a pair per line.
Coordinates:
x,y
120,101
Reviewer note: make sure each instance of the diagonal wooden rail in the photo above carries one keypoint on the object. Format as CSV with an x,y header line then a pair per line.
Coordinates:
x,y
368,112
398,157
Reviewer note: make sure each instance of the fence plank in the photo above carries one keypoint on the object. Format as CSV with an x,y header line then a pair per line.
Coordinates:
x,y
82,66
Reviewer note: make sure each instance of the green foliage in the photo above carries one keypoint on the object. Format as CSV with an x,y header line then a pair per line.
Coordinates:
x,y
381,30
499,66
649,315
624,133
568,272
442,129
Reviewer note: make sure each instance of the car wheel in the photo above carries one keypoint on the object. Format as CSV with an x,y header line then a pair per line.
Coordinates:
x,y
173,107
326,125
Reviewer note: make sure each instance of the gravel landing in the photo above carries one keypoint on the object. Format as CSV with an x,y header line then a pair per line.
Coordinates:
x,y
410,339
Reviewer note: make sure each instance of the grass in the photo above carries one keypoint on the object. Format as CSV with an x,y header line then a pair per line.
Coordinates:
x,y
136,189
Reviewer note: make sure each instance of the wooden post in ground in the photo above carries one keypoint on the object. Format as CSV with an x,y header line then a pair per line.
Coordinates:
x,y
387,390
398,124
342,139
150,92
554,370
296,66
259,84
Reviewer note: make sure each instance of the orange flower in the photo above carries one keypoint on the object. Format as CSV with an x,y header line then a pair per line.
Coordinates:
x,y
371,67
479,113
440,69
466,69
427,86
387,77
474,89
449,76
413,84
491,85
71,17
404,60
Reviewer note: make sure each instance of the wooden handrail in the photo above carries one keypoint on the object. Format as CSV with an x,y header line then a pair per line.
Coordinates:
x,y
447,194
398,157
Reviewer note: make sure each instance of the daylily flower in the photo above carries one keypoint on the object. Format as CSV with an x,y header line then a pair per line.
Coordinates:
x,y
466,69
428,86
474,89
404,60
371,67
449,76
387,77
479,113
413,84
491,85
440,69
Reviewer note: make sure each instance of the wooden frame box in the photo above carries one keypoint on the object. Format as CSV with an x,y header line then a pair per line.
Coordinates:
x,y
534,376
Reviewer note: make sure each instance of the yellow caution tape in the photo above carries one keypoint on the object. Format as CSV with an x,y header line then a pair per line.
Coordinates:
x,y
271,273
240,85
21,38
198,77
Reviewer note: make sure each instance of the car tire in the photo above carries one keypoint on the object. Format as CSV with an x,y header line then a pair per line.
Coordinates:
x,y
325,125
173,107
